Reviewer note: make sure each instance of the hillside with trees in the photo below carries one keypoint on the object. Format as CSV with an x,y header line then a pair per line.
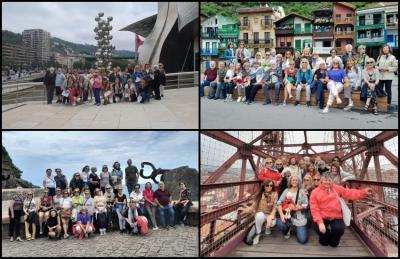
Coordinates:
x,y
229,9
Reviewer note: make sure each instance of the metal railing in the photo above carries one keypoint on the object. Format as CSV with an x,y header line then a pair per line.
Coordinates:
x,y
221,226
375,218
16,94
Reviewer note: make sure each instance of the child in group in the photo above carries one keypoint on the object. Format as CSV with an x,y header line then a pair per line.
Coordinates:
x,y
132,90
118,91
107,92
144,95
286,203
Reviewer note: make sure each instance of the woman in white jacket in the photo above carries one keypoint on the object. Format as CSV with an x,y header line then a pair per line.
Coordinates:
x,y
354,81
387,65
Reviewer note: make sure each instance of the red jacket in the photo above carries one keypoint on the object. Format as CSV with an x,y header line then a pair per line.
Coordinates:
x,y
327,206
269,173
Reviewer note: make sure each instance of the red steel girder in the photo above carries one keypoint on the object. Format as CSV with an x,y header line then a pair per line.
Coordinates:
x,y
230,140
208,217
389,155
212,186
380,138
262,135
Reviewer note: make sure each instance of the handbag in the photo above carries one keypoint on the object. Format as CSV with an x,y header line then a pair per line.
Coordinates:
x,y
345,210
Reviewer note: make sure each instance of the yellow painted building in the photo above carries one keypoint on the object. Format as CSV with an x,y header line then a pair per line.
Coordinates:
x,y
257,28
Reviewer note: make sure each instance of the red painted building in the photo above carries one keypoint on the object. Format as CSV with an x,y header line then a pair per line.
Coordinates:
x,y
344,21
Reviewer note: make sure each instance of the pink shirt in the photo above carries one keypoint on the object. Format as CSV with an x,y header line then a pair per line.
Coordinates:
x,y
148,194
97,81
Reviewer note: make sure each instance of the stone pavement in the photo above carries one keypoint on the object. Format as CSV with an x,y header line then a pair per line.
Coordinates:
x,y
178,110
179,242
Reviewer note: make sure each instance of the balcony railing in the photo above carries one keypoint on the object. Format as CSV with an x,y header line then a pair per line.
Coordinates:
x,y
266,23
345,20
284,31
322,50
367,22
373,39
392,24
209,35
258,41
244,25
344,34
209,52
323,33
323,20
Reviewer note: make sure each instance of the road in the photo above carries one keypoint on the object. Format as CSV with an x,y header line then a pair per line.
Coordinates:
x,y
216,114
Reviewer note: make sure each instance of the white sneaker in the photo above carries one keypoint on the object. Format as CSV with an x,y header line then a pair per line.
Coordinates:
x,y
268,231
19,239
11,239
287,236
155,228
256,239
244,99
326,110
239,99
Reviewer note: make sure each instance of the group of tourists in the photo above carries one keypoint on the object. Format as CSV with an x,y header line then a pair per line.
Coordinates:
x,y
96,202
132,84
296,193
303,72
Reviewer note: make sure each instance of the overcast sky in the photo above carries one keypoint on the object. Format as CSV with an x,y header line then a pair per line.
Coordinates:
x,y
33,152
75,21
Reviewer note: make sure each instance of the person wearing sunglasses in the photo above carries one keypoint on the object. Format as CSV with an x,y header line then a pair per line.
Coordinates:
x,y
354,75
230,56
264,209
30,215
317,179
308,187
76,182
137,195
326,210
304,79
289,81
369,89
110,196
242,53
45,204
270,172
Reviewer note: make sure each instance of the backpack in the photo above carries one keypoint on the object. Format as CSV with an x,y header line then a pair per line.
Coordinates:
x,y
142,224
251,235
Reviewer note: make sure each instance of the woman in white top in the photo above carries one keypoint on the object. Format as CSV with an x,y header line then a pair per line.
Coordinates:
x,y
228,80
387,65
137,195
66,212
258,58
333,57
85,175
49,183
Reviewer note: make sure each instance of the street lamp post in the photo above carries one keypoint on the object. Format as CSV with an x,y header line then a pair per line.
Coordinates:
x,y
103,37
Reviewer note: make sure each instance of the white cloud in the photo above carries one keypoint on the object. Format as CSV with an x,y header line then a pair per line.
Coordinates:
x,y
75,21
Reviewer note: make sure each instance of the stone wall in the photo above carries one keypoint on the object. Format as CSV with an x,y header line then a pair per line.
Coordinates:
x,y
182,174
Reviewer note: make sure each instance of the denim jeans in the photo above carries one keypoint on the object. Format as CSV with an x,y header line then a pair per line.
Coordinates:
x,y
318,88
276,87
213,90
151,211
221,90
298,92
229,88
301,232
182,212
96,92
121,219
204,84
167,209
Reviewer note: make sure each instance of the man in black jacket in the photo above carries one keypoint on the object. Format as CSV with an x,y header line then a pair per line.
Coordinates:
x,y
50,83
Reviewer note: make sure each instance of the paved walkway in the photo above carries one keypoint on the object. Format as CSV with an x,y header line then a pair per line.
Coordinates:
x,y
179,242
178,110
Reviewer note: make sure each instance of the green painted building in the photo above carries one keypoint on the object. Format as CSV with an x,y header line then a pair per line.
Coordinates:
x,y
370,27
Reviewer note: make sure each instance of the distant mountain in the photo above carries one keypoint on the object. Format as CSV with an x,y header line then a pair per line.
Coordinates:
x,y
62,46
229,9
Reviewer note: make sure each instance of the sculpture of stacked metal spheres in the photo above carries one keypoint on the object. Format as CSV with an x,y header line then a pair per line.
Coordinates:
x,y
103,37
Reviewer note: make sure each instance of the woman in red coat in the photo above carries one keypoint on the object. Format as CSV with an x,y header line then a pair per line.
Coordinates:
x,y
326,210
270,172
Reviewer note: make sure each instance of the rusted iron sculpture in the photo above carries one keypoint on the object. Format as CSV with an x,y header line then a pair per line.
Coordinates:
x,y
153,174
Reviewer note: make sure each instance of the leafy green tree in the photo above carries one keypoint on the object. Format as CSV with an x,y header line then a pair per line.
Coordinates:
x,y
5,156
